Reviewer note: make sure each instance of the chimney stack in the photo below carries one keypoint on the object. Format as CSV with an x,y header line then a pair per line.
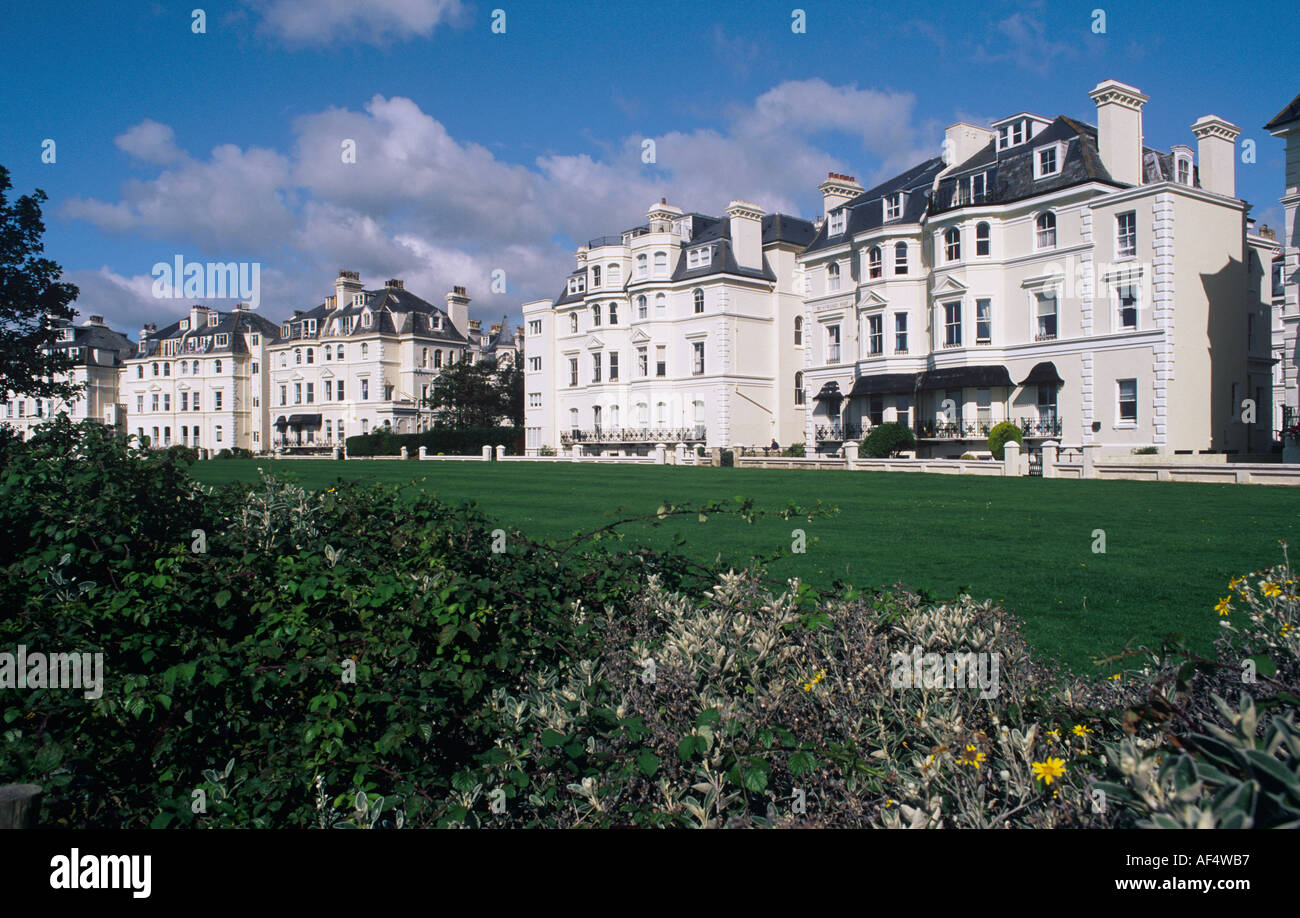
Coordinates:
x,y
346,285
961,141
395,284
836,190
458,309
95,320
1216,151
1119,129
198,316
746,234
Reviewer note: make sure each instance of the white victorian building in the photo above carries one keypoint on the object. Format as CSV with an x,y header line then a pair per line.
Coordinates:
x,y
683,330
1052,273
1286,124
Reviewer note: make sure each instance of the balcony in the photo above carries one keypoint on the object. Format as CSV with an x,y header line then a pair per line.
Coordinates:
x,y
836,432
634,435
1031,428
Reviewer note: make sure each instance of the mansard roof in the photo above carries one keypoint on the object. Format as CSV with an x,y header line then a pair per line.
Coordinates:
x,y
1286,115
112,346
396,311
867,211
233,324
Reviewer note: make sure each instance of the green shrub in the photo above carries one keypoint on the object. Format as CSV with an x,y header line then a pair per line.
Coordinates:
x,y
1001,434
795,451
1147,451
728,458
888,439
440,440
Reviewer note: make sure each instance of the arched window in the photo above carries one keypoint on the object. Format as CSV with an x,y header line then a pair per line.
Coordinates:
x,y
338,355
900,258
185,367
573,322
311,355
832,276
216,365
424,356
595,313
642,414
595,416
573,418
798,331
952,244
595,276
698,297
613,416
614,275
364,349
167,369
661,414
661,263
327,352
284,359
875,263
641,266
981,238
1045,230
798,388
661,303
155,369
139,374
194,367
641,307
297,355
613,313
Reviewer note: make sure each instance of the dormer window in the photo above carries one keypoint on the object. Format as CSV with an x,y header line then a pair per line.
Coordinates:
x,y
893,206
365,320
255,339
699,258
311,326
1047,161
1183,170
285,330
223,340
1012,134
185,324
213,320
978,187
839,220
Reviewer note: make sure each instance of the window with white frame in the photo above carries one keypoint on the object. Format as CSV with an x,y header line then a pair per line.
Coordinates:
x,y
573,371
661,264
595,314
642,268
534,363
698,298
875,335
643,414
893,206
573,322
642,307
952,324
642,362
982,246
798,388
595,367
978,187
952,244
983,321
1045,230
613,313
875,264
1126,305
900,333
534,327
573,418
661,360
1126,234
900,258
1183,170
798,331
1127,397
595,276
1047,403
661,304
1047,161
832,276
697,367
839,219
832,344
613,366
1045,315
614,275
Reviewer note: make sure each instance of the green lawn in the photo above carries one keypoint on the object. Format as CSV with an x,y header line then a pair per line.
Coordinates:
x,y
1170,547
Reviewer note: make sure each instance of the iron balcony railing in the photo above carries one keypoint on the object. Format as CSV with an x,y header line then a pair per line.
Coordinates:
x,y
979,430
634,435
826,432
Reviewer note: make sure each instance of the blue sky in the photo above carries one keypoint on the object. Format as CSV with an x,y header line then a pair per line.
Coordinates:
x,y
479,151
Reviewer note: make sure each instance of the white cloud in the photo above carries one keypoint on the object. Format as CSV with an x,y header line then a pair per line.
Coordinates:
x,y
369,21
151,142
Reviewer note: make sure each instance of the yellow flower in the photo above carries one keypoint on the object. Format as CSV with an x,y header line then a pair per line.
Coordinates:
x,y
971,757
1081,730
1235,582
1050,770
1272,589
1223,608
1054,734
1286,629
1116,677
808,686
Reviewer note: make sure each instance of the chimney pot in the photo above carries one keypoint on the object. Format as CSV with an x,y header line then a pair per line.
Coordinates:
x,y
1119,129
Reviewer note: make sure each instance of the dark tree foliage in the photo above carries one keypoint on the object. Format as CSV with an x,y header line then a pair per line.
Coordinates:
x,y
888,439
31,296
477,395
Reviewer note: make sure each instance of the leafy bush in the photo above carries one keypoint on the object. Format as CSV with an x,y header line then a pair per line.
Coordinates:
x,y
888,439
794,451
1147,451
1001,434
728,458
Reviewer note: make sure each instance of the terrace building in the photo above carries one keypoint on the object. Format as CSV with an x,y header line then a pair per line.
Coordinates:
x,y
97,353
682,330
364,359
200,381
1286,124
1048,272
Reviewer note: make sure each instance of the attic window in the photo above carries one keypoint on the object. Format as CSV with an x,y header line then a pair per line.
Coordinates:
x,y
838,221
978,187
185,324
311,326
285,330
1183,170
365,319
1011,135
894,206
223,340
1047,161
699,258
213,319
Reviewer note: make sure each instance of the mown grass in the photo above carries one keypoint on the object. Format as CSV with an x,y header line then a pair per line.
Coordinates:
x,y
1027,543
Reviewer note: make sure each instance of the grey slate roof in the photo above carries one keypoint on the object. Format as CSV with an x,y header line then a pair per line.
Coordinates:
x,y
396,311
112,346
1286,115
867,210
233,323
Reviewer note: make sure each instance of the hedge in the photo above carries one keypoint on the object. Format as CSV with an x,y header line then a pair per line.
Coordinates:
x,y
468,441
